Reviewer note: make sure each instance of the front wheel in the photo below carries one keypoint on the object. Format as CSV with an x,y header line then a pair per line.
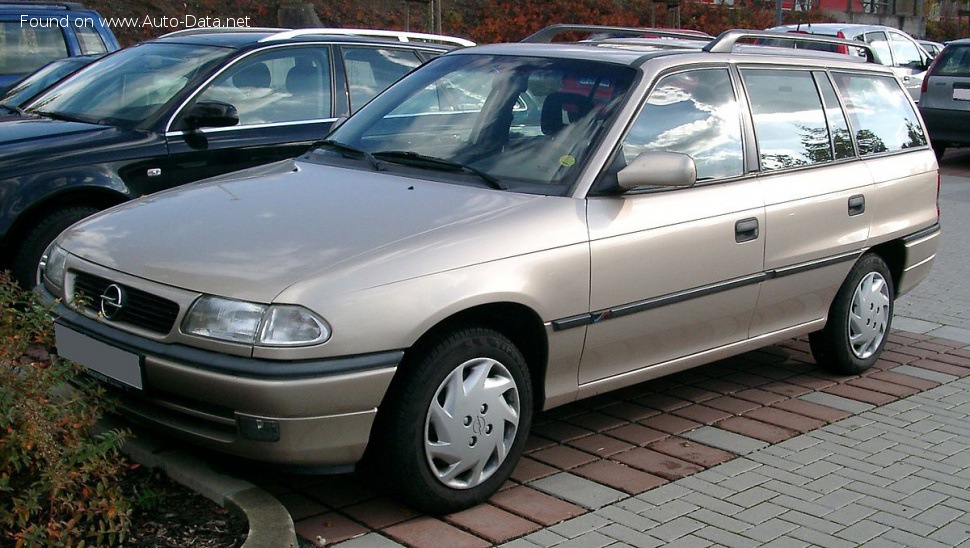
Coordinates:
x,y
28,255
457,422
859,319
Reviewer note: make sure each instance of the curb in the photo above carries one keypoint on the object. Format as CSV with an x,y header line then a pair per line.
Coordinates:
x,y
270,523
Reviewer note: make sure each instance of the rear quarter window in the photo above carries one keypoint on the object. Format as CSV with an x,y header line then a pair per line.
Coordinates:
x,y
880,113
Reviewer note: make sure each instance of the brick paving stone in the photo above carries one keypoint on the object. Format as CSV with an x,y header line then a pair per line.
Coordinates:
x,y
657,464
756,429
812,382
701,413
785,388
619,476
905,380
691,451
690,393
662,402
784,419
757,395
535,443
300,506
748,379
329,528
933,346
731,404
371,540
560,431
637,434
722,386
941,367
953,359
562,457
578,490
432,533
380,513
629,411
530,469
494,524
596,421
898,390
601,445
813,410
669,423
860,394
535,505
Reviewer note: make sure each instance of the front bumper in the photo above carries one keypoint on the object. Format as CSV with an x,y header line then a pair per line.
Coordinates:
x,y
311,413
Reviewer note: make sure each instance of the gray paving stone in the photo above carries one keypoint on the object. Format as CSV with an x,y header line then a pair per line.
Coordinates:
x,y
722,439
838,402
712,503
924,499
925,374
953,333
786,542
800,505
914,325
721,521
939,515
904,524
545,538
671,510
743,481
593,539
723,537
578,490
752,497
676,529
769,530
663,494
862,531
761,513
813,522
699,485
909,539
689,541
615,514
517,543
631,536
820,539
575,527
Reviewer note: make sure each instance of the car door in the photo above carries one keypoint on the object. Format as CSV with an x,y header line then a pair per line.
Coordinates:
x,y
675,272
909,62
815,194
284,99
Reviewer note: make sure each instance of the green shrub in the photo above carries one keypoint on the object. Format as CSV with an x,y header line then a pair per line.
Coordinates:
x,y
59,485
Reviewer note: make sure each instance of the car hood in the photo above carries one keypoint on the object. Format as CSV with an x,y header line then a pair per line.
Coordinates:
x,y
24,138
253,234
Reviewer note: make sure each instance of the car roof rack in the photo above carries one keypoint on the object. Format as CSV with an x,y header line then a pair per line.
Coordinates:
x,y
400,36
48,5
727,40
218,30
546,35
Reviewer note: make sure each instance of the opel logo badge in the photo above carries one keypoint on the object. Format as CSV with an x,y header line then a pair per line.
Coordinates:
x,y
112,300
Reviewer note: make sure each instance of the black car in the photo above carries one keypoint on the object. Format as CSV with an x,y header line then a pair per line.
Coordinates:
x,y
32,85
178,109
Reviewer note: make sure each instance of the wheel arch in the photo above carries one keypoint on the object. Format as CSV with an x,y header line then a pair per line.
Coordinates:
x,y
894,254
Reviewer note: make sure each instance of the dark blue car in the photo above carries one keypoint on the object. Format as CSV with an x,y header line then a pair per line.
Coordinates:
x,y
33,34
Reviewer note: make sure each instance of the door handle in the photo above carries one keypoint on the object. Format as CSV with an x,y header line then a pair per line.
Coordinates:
x,y
746,230
857,205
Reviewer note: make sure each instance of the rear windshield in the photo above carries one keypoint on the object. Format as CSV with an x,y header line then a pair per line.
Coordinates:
x,y
23,48
954,61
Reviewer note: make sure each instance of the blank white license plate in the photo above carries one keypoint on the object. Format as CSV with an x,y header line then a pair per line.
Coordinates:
x,y
103,361
961,94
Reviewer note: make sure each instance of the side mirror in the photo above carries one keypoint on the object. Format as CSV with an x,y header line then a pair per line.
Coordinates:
x,y
211,114
658,168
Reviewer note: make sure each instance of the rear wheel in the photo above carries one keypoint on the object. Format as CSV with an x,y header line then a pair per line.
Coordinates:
x,y
27,256
457,423
859,319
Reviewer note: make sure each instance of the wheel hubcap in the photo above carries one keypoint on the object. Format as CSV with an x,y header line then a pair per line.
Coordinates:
x,y
869,315
471,423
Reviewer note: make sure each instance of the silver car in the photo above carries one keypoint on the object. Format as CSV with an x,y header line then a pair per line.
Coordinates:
x,y
893,48
508,229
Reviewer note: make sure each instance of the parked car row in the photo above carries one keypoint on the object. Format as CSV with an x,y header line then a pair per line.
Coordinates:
x,y
506,229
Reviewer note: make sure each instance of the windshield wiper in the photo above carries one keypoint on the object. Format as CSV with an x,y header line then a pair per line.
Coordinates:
x,y
14,109
62,117
420,160
330,143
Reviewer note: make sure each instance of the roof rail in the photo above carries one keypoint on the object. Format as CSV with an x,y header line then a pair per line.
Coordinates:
x,y
726,41
216,30
546,35
63,5
400,36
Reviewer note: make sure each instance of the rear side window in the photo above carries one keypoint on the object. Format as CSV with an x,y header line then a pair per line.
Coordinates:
x,y
24,48
371,71
88,38
838,126
953,61
880,113
789,121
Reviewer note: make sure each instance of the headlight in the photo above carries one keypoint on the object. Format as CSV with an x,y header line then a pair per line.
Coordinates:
x,y
256,324
51,267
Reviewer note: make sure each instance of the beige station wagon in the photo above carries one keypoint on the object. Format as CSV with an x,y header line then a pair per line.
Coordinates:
x,y
508,229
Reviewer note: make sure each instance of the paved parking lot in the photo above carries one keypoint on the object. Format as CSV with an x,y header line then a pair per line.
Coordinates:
x,y
759,449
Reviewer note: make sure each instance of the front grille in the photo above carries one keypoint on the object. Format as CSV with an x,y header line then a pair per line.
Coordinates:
x,y
140,309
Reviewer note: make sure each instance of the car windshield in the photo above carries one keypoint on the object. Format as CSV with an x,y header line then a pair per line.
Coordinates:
x,y
526,123
128,87
42,79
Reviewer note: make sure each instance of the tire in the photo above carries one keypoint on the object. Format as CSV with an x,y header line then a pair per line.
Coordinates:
x,y
27,256
448,442
860,319
939,149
